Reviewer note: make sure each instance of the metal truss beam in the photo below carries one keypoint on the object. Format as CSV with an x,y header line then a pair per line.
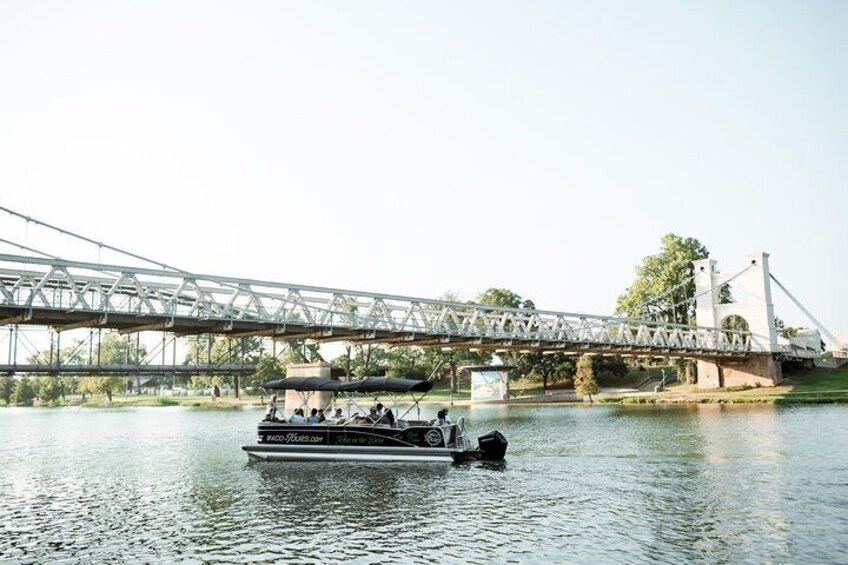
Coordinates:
x,y
55,292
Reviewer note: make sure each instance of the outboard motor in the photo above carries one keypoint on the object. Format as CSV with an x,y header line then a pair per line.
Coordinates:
x,y
492,446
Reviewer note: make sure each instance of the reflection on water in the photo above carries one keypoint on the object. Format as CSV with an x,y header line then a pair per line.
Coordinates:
x,y
617,484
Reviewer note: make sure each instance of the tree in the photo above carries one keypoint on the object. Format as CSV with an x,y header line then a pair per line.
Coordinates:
x,y
116,350
545,366
664,287
365,360
609,369
48,388
221,350
584,379
451,360
107,385
25,392
269,368
503,297
7,388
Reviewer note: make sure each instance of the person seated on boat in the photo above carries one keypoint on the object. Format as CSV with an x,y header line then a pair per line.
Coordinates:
x,y
389,418
355,419
313,417
297,417
271,409
373,415
441,417
445,416
338,417
321,418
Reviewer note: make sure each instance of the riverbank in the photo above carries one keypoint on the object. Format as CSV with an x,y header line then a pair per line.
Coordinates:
x,y
813,386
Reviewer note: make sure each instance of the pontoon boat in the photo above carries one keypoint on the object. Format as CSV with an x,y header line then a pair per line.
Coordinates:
x,y
356,437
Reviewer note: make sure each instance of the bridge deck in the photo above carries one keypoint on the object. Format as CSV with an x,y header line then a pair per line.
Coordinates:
x,y
67,295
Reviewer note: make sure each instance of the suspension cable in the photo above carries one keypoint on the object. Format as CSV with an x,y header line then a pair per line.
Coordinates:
x,y
100,244
27,248
711,289
838,344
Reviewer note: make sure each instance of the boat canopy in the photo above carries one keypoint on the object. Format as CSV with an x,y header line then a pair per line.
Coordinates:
x,y
369,384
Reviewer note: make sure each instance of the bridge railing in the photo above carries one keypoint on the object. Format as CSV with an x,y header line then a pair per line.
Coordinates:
x,y
31,284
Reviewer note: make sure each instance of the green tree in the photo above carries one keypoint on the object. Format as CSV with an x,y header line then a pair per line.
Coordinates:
x,y
108,385
7,388
584,379
503,298
221,350
664,287
545,366
407,362
365,359
452,359
25,392
67,385
119,350
269,368
48,388
609,369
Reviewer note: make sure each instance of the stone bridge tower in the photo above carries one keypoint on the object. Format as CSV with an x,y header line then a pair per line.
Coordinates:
x,y
755,308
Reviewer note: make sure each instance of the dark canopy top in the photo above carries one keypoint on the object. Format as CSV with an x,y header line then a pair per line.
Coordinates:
x,y
370,384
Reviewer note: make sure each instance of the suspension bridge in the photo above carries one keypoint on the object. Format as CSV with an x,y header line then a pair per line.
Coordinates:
x,y
40,289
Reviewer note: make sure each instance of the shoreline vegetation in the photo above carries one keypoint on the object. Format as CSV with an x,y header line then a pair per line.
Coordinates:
x,y
813,386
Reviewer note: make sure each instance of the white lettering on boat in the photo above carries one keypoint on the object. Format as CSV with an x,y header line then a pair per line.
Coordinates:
x,y
294,438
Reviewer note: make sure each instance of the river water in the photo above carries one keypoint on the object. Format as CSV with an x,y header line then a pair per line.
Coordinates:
x,y
710,484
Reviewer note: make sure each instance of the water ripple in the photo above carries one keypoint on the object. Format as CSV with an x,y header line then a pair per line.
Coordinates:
x,y
609,484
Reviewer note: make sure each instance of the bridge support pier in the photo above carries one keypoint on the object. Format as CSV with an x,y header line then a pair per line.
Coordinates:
x,y
319,399
757,311
761,370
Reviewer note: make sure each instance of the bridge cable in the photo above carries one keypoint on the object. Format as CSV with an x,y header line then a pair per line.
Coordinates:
x,y
32,249
94,242
711,289
654,299
838,344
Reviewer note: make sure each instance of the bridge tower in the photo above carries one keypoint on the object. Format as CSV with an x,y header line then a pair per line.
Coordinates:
x,y
756,308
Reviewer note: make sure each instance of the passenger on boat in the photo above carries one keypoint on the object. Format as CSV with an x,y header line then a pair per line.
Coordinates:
x,y
321,418
389,418
271,408
441,418
447,420
313,417
339,415
297,417
373,415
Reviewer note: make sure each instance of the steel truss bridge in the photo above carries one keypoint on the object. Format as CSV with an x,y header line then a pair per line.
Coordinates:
x,y
66,295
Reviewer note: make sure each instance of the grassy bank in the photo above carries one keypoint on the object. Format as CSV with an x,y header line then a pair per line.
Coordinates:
x,y
814,386
134,401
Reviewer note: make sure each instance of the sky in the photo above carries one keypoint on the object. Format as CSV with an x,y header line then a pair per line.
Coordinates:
x,y
421,147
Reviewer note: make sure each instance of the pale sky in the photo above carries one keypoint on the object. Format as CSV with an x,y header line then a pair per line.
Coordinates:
x,y
415,148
